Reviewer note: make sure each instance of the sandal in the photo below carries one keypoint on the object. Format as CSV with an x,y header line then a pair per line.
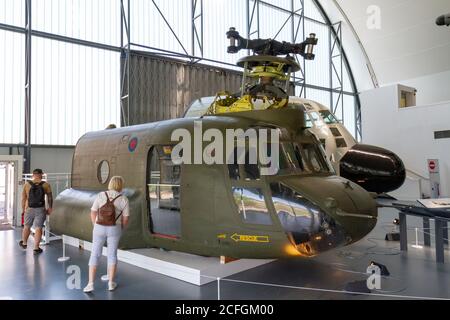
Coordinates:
x,y
37,251
23,246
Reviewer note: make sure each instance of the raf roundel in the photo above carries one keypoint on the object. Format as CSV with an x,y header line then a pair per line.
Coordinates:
x,y
132,145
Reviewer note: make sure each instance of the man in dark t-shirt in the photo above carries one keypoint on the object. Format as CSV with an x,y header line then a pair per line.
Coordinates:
x,y
33,207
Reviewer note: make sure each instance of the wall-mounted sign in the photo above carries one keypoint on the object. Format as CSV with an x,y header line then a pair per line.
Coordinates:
x,y
433,165
435,179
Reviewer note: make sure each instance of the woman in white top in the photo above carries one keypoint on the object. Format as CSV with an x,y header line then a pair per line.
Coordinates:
x,y
111,234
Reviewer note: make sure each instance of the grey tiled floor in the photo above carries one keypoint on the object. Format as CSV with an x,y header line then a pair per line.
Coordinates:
x,y
415,273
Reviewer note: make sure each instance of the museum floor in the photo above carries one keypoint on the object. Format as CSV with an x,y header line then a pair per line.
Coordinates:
x,y
413,273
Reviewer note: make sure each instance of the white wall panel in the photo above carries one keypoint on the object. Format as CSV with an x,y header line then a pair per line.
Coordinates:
x,y
409,132
92,20
75,90
149,28
12,87
12,12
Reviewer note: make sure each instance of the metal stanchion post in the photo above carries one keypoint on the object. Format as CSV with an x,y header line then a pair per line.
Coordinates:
x,y
218,288
63,258
47,230
417,241
439,238
403,232
426,232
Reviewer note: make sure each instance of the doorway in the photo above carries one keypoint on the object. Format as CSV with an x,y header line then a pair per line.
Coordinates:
x,y
11,167
163,186
7,194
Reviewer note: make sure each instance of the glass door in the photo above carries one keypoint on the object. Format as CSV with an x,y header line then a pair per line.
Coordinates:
x,y
3,184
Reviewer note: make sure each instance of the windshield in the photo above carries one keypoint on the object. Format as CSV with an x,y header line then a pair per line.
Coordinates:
x,y
301,157
199,107
328,117
313,118
298,158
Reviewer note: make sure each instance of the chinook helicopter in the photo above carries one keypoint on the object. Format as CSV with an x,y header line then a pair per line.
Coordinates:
x,y
226,209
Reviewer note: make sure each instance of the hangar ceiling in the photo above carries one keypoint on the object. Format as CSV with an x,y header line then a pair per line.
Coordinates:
x,y
408,44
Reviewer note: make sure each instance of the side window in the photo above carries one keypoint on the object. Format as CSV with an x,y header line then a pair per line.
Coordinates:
x,y
308,122
248,171
103,172
252,206
340,143
164,192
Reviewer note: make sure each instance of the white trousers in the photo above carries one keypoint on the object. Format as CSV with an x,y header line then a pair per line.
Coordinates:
x,y
100,234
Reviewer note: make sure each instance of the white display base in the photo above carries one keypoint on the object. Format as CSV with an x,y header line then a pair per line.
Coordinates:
x,y
191,268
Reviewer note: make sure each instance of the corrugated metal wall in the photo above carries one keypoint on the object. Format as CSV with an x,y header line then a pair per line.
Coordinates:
x,y
162,89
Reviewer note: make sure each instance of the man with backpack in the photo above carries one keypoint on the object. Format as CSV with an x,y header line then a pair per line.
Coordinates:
x,y
33,206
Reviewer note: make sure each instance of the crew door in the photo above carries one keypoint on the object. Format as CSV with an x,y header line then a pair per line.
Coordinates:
x,y
163,187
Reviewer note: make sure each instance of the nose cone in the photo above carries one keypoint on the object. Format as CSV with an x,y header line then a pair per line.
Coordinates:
x,y
341,212
373,168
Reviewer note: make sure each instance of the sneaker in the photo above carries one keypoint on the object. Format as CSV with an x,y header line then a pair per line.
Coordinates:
x,y
89,288
23,246
37,251
112,285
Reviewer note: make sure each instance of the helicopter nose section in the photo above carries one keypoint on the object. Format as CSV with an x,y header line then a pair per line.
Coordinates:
x,y
321,213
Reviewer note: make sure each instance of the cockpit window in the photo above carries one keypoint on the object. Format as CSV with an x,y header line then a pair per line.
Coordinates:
x,y
290,157
199,107
308,122
328,117
251,170
294,157
313,119
313,158
301,157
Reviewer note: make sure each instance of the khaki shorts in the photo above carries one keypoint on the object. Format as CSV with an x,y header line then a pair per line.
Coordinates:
x,y
35,217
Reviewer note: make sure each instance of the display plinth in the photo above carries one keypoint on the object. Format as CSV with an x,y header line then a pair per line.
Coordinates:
x,y
191,268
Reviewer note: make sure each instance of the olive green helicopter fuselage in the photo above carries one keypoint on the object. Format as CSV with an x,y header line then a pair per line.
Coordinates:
x,y
218,209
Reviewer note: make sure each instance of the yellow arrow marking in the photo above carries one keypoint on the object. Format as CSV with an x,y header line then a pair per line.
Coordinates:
x,y
248,238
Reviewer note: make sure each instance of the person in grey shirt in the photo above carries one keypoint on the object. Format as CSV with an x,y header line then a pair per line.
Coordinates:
x,y
111,234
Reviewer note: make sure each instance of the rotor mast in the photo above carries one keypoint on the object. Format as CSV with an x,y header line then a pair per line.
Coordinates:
x,y
267,68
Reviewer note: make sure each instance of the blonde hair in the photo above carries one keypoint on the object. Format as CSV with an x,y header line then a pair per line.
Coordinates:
x,y
116,183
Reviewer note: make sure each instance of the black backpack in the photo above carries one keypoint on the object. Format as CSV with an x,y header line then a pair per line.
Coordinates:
x,y
36,196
